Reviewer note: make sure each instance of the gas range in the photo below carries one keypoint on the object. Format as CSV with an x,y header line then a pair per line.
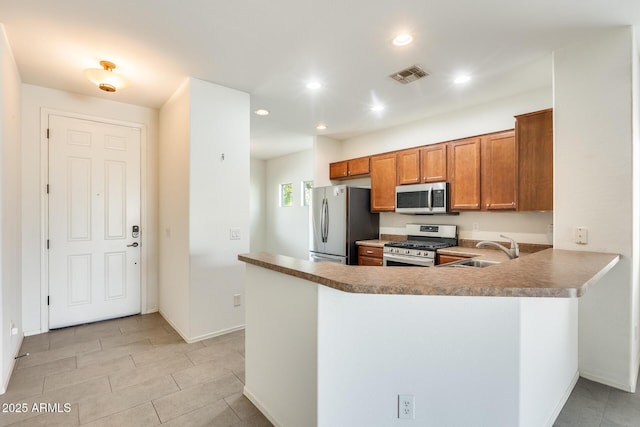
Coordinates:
x,y
420,247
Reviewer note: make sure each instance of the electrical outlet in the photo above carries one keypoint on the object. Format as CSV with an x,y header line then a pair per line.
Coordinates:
x,y
550,228
237,300
476,226
406,409
582,235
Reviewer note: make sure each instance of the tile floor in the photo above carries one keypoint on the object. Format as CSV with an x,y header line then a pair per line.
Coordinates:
x,y
593,404
137,371
134,371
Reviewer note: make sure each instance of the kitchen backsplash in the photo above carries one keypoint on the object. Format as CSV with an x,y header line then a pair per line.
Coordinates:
x,y
525,227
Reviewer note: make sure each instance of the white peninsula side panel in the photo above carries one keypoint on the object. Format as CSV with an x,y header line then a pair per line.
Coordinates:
x,y
317,356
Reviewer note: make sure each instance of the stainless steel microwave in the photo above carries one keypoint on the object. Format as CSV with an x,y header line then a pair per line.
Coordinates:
x,y
422,198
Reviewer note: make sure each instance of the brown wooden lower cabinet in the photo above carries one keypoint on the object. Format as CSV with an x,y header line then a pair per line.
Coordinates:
x,y
370,255
446,259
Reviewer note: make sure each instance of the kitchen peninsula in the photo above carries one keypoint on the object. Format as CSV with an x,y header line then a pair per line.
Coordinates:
x,y
333,345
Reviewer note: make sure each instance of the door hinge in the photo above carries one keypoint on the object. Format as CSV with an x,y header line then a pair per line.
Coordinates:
x,y
47,188
47,243
47,299
47,133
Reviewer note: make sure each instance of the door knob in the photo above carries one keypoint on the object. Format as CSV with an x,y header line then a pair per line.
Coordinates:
x,y
134,244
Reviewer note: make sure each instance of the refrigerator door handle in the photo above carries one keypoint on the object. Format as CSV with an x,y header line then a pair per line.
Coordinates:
x,y
325,220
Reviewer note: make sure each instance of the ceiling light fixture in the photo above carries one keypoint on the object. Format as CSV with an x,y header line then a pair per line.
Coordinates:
x,y
105,78
462,79
321,127
402,39
314,85
262,112
377,108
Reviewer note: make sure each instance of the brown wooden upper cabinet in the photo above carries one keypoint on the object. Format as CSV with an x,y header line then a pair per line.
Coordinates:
x,y
534,137
383,182
433,163
419,165
499,171
353,168
409,166
464,168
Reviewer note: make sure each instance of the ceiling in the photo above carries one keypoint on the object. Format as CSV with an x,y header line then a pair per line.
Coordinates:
x,y
271,49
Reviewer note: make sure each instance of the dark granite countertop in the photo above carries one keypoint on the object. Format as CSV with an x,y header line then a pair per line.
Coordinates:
x,y
548,273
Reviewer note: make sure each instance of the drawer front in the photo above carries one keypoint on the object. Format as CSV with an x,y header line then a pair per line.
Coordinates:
x,y
368,260
370,251
446,259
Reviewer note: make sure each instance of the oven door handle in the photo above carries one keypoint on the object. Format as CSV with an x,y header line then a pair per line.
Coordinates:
x,y
430,198
410,261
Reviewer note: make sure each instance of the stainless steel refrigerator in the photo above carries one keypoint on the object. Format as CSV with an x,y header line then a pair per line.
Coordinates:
x,y
339,216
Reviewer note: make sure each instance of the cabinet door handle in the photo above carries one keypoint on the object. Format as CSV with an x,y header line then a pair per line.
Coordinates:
x,y
369,252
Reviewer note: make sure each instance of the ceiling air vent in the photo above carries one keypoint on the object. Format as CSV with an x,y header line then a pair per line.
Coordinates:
x,y
409,75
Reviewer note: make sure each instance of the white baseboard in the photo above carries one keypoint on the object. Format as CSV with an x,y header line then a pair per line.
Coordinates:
x,y
563,400
201,337
5,383
216,334
605,381
260,406
150,310
173,325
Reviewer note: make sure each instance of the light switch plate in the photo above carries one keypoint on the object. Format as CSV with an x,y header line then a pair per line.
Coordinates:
x,y
234,234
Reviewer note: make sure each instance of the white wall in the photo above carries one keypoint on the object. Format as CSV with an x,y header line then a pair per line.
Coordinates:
x,y
287,227
219,201
595,148
34,99
173,208
10,209
258,205
325,151
204,193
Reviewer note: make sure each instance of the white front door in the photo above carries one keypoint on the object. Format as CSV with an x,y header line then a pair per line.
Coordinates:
x,y
94,205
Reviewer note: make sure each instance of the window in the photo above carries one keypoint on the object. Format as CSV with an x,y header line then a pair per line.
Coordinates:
x,y
306,192
286,194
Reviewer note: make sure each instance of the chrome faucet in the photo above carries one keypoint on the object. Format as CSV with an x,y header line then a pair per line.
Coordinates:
x,y
512,252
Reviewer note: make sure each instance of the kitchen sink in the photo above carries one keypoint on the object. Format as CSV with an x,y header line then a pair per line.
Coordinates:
x,y
471,262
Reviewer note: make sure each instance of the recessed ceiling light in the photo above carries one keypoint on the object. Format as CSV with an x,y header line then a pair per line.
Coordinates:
x,y
402,39
377,108
321,127
314,85
462,79
262,112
